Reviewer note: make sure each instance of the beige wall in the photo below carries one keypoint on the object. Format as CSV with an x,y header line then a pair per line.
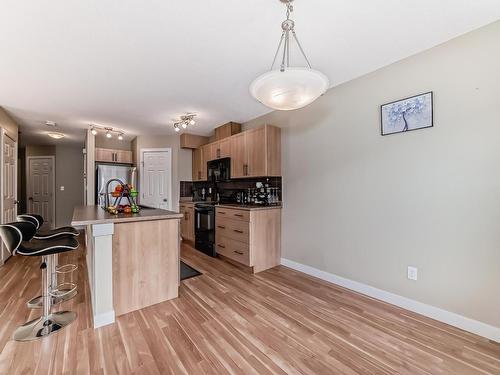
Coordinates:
x,y
8,124
364,206
181,160
35,150
69,173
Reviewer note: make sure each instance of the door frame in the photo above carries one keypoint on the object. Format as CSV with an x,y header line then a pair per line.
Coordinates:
x,y
4,134
28,158
141,174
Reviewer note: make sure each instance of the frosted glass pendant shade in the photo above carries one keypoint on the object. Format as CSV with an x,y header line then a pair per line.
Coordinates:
x,y
292,89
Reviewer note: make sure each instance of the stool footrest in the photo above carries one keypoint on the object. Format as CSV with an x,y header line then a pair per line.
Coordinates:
x,y
66,268
63,289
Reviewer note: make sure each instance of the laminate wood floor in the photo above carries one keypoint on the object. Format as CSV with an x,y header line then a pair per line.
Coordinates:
x,y
228,321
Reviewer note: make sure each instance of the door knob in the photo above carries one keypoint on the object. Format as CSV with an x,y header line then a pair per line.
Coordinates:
x,y
165,200
30,198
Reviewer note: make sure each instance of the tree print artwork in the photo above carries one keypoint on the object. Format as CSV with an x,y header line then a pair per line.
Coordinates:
x,y
407,114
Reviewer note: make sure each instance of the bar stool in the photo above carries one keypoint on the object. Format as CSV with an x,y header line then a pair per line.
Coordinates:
x,y
17,238
66,291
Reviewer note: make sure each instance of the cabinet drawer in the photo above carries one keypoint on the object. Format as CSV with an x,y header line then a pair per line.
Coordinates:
x,y
234,229
230,213
232,249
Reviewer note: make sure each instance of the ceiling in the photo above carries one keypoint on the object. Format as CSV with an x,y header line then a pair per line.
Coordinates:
x,y
137,65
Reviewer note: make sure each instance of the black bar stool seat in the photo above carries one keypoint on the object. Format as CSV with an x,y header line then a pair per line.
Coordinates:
x,y
41,234
43,247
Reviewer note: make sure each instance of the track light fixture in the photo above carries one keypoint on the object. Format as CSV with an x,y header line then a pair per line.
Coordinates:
x,y
184,121
108,131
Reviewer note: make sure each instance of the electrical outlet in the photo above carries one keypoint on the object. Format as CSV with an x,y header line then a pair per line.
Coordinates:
x,y
412,273
61,188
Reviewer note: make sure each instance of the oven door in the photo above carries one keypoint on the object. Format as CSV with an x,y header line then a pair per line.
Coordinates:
x,y
205,229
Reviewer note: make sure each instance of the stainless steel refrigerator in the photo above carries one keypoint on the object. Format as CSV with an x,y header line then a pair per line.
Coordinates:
x,y
106,172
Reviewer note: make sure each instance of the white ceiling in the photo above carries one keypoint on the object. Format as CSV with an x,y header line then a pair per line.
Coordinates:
x,y
137,65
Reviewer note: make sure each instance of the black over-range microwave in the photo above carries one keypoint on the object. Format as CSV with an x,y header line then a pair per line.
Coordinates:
x,y
219,170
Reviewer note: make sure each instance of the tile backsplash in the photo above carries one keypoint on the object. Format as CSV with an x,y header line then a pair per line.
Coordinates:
x,y
193,189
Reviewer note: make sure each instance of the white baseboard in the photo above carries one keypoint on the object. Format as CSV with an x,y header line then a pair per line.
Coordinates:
x,y
467,324
104,319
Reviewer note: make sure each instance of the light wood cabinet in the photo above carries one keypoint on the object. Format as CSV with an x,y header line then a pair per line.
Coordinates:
x,y
122,156
221,149
205,157
197,158
255,144
238,155
187,221
227,130
249,237
253,153
256,153
109,155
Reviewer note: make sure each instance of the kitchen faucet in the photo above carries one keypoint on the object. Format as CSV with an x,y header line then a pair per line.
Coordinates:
x,y
106,197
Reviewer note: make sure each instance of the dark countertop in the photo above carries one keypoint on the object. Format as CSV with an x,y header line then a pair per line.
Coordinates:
x,y
235,206
85,215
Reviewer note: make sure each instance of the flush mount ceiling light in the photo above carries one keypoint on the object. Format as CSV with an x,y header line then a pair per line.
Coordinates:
x,y
54,133
108,131
289,87
184,121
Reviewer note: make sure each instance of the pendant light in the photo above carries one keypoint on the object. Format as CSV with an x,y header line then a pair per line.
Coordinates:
x,y
289,87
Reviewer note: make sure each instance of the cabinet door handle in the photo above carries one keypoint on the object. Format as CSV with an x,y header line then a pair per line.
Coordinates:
x,y
221,246
221,226
218,153
238,231
238,252
238,215
221,212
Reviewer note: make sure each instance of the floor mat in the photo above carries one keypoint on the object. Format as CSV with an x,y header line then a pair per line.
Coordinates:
x,y
188,271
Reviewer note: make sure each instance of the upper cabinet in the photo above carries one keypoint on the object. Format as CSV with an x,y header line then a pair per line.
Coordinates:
x,y
108,155
227,130
197,160
253,153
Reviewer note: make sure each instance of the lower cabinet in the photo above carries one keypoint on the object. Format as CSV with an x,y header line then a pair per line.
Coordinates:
x,y
187,221
249,237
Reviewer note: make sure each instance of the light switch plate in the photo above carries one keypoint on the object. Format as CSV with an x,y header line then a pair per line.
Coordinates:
x,y
412,273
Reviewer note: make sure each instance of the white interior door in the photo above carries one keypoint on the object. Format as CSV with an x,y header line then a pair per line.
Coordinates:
x,y
156,179
9,180
9,187
40,188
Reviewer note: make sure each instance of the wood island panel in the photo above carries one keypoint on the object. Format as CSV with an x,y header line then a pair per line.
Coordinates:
x,y
145,264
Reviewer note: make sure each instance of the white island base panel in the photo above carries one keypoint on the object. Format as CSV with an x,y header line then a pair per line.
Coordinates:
x,y
100,269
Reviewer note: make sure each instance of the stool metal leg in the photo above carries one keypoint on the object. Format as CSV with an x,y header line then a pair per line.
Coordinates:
x,y
49,322
66,294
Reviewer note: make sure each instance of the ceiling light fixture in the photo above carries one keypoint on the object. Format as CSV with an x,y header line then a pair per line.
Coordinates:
x,y
184,121
288,87
109,131
54,134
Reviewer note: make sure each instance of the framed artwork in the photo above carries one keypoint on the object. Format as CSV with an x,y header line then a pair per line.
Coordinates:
x,y
413,113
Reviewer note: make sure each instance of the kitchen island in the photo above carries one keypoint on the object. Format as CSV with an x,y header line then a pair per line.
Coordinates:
x,y
132,259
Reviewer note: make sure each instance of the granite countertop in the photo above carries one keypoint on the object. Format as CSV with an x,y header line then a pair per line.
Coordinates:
x,y
85,215
235,206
